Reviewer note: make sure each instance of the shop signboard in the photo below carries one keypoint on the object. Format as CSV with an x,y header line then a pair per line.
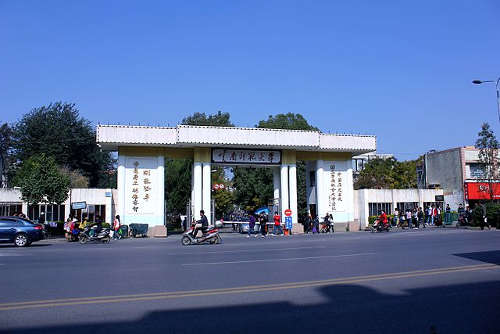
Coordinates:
x,y
244,156
78,205
481,190
439,198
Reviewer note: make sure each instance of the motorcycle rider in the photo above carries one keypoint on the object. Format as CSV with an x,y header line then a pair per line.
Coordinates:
x,y
201,224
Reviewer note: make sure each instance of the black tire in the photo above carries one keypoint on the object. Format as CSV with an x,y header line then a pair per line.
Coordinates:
x,y
105,240
83,239
21,240
185,241
218,240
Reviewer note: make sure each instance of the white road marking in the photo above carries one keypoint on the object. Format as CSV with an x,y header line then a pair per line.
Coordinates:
x,y
247,250
274,260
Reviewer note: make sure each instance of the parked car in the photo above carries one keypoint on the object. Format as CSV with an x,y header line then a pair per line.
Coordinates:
x,y
21,232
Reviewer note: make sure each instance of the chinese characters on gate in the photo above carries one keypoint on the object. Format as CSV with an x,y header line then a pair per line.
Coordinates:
x,y
335,187
246,156
141,188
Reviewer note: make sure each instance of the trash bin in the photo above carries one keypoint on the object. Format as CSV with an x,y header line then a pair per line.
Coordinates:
x,y
139,230
123,231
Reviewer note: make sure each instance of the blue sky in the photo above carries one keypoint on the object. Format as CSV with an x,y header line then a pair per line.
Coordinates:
x,y
401,70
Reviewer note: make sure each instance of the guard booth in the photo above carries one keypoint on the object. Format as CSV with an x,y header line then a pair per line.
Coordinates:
x,y
142,151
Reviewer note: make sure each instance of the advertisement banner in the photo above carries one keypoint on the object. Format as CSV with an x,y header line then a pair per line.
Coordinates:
x,y
481,191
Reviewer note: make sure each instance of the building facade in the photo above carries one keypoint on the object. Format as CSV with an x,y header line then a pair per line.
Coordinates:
x,y
99,204
461,175
369,202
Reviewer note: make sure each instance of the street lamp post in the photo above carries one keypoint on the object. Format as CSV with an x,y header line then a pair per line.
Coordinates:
x,y
478,82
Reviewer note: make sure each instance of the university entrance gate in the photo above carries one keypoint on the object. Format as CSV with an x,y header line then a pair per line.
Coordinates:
x,y
142,151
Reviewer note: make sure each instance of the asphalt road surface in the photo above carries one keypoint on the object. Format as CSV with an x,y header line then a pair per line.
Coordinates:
x,y
425,281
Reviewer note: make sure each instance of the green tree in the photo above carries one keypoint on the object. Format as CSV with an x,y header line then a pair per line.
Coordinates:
x,y
388,174
77,180
58,130
288,121
6,143
487,144
218,119
253,187
41,181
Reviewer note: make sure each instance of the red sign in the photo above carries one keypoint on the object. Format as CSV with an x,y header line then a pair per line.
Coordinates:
x,y
288,212
481,190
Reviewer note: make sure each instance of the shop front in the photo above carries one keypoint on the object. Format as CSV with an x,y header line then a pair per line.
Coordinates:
x,y
476,192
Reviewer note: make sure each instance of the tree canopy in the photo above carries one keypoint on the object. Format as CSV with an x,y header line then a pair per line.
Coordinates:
x,y
58,131
487,144
289,121
41,181
388,174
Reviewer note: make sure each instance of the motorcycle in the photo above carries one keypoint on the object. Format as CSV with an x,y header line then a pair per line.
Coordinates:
x,y
326,228
378,226
90,233
211,236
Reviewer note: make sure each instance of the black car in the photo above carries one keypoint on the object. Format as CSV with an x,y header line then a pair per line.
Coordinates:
x,y
22,232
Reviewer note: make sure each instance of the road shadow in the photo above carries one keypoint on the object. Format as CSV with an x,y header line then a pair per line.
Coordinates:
x,y
488,256
470,308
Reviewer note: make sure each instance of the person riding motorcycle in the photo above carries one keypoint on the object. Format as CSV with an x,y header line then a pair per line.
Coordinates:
x,y
382,219
201,224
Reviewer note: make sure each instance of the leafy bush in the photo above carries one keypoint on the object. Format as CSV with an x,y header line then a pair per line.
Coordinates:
x,y
492,213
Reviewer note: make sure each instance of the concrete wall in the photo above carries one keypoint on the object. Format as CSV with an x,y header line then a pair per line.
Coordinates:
x,y
445,168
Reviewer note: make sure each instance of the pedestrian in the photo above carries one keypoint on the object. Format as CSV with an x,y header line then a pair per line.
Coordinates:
x,y
116,228
433,215
277,224
420,217
395,221
484,220
428,215
263,226
251,225
447,214
408,218
315,224
414,218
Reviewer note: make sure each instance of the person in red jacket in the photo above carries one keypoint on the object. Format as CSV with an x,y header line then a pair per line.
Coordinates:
x,y
277,224
383,218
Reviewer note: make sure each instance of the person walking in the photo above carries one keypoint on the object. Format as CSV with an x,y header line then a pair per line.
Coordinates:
x,y
414,218
420,217
116,228
315,225
263,226
408,218
447,214
484,220
277,224
251,225
395,221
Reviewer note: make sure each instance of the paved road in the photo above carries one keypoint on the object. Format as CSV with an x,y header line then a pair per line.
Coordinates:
x,y
425,281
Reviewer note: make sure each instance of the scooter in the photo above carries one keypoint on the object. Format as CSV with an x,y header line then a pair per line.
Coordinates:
x,y
378,226
89,233
211,236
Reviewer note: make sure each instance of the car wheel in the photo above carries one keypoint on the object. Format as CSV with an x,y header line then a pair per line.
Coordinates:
x,y
21,240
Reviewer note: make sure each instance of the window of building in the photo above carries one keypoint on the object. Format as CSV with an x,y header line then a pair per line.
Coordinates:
x,y
358,165
53,212
92,212
403,206
375,208
9,209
